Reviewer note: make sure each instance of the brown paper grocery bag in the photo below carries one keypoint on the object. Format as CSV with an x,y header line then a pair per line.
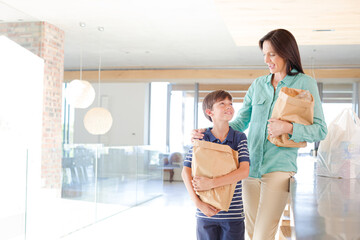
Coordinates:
x,y
213,160
295,106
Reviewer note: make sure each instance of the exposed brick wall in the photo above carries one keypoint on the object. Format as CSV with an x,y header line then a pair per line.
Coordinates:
x,y
46,41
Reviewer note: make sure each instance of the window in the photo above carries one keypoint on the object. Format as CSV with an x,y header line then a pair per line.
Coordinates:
x,y
336,97
182,110
182,113
158,115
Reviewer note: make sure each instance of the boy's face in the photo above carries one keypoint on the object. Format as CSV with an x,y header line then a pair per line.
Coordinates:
x,y
222,111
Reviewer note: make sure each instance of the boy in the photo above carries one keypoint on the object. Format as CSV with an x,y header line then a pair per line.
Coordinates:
x,y
211,222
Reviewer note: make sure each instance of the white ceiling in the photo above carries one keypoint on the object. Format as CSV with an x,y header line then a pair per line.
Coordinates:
x,y
314,22
173,33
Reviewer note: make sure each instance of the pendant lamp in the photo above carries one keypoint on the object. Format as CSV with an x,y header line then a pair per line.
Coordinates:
x,y
98,120
80,93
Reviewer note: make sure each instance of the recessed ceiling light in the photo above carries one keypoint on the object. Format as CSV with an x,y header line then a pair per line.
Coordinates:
x,y
323,30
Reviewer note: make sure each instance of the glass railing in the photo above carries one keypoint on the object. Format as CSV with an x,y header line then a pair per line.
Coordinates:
x,y
97,182
13,193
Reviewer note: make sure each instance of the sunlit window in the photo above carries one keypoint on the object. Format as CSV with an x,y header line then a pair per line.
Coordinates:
x,y
158,115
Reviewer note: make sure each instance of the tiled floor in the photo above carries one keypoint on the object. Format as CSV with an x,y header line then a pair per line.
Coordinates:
x,y
171,216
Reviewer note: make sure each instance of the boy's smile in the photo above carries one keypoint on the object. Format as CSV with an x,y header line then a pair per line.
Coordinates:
x,y
222,111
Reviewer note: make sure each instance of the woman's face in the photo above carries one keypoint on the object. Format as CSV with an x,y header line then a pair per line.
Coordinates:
x,y
275,63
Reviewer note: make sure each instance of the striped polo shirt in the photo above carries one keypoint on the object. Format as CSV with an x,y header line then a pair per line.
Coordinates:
x,y
238,142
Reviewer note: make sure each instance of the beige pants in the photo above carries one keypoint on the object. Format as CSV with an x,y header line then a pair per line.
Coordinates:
x,y
264,201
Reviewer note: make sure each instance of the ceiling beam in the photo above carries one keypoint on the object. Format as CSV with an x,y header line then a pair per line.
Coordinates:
x,y
174,75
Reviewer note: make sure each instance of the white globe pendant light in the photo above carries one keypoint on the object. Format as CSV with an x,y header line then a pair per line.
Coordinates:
x,y
80,93
98,120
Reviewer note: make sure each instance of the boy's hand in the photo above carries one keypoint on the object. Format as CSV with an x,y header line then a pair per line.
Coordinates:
x,y
202,183
207,209
197,134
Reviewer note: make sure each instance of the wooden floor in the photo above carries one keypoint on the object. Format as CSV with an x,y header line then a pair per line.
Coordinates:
x,y
285,227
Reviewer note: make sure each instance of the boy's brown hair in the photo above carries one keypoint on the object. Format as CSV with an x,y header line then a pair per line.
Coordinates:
x,y
212,98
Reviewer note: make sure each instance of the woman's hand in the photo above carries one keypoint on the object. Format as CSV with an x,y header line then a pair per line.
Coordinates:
x,y
202,183
197,134
278,127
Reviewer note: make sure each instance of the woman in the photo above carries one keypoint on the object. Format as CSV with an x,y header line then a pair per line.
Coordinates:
x,y
265,191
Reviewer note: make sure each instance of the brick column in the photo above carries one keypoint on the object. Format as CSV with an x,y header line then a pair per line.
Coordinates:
x,y
46,41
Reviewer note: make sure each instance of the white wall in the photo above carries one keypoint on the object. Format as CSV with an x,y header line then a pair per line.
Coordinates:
x,y
128,104
21,97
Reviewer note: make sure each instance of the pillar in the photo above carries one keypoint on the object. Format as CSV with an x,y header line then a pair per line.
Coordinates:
x,y
46,41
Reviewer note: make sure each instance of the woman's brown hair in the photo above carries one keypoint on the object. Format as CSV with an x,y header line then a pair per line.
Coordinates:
x,y
285,45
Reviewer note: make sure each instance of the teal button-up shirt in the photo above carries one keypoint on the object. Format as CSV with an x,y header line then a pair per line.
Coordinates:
x,y
258,105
